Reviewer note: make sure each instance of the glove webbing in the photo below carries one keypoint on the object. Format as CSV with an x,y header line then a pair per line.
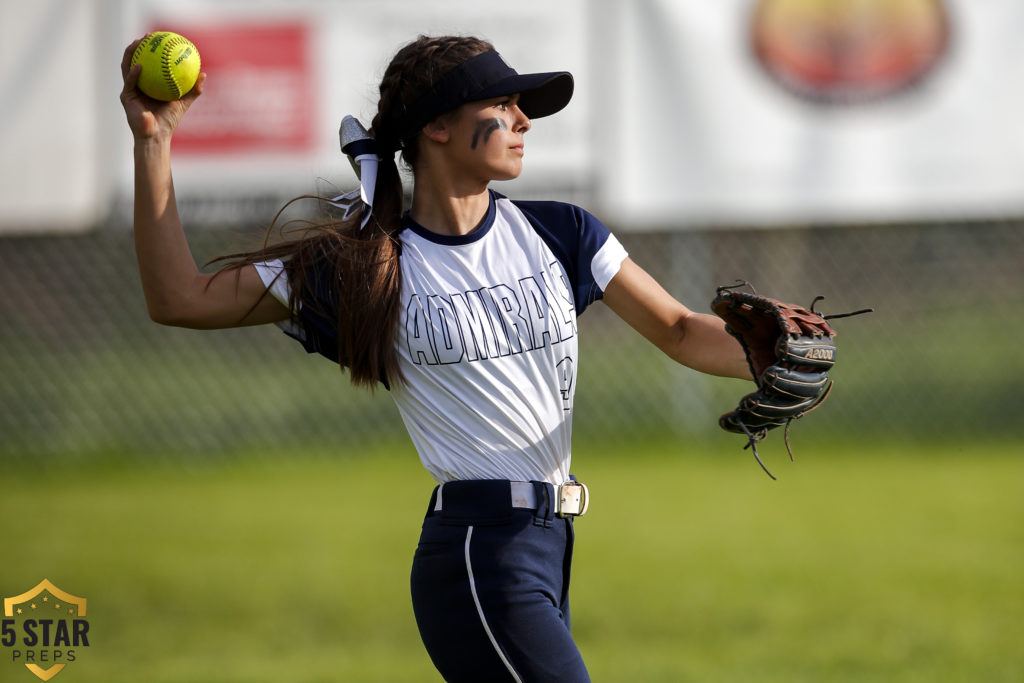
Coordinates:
x,y
754,437
760,434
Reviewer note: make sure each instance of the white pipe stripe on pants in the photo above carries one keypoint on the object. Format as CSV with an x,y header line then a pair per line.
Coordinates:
x,y
480,610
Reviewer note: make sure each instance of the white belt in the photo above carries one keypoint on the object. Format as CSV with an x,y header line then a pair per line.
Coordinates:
x,y
572,499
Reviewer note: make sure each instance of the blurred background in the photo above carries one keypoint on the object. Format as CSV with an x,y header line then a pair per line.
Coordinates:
x,y
867,151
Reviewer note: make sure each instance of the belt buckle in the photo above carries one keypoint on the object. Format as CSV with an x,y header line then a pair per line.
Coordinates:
x,y
573,499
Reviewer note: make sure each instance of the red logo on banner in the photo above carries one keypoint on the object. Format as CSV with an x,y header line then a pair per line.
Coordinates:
x,y
259,95
843,51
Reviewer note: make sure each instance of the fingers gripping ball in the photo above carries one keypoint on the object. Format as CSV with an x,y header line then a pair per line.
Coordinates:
x,y
789,349
170,65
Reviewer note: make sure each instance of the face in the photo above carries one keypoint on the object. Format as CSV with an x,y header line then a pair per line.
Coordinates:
x,y
487,138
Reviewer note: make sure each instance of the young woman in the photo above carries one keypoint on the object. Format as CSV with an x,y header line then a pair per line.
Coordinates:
x,y
465,308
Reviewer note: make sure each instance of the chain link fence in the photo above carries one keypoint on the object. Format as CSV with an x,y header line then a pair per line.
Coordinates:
x,y
84,373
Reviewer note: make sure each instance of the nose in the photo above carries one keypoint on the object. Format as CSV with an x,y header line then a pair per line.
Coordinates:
x,y
521,122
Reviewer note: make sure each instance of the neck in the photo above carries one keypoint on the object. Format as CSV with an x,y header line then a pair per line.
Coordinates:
x,y
447,210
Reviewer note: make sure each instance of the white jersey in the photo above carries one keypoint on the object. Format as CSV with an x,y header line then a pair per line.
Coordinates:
x,y
488,338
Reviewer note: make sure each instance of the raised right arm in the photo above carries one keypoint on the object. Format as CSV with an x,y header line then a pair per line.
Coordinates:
x,y
176,292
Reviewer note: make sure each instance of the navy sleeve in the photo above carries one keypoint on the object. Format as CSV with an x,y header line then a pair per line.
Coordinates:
x,y
317,329
575,236
317,320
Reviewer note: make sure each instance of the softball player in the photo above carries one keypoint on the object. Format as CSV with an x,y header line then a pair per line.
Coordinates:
x,y
465,307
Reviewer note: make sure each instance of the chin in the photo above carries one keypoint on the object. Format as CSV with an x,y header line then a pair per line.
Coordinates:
x,y
508,174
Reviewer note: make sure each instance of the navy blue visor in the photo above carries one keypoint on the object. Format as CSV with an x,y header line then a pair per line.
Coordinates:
x,y
483,77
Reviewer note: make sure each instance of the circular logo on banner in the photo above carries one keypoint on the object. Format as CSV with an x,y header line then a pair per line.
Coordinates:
x,y
848,51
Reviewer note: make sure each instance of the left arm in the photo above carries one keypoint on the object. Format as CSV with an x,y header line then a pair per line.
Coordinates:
x,y
696,340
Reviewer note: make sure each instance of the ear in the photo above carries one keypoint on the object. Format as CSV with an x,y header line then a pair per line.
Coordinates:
x,y
438,130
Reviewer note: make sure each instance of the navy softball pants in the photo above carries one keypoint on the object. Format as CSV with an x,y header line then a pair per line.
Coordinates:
x,y
490,587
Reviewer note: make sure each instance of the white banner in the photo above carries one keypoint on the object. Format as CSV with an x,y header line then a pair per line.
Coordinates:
x,y
699,132
330,59
53,170
686,113
281,75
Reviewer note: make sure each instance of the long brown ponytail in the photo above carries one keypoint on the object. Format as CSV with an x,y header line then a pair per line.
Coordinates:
x,y
363,265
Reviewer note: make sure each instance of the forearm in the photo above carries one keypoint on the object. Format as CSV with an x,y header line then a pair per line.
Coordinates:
x,y
696,340
166,265
704,345
176,292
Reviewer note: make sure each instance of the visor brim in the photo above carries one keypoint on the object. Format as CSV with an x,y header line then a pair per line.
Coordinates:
x,y
540,95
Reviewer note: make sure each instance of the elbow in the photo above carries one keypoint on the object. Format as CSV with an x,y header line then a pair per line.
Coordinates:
x,y
164,317
168,312
674,344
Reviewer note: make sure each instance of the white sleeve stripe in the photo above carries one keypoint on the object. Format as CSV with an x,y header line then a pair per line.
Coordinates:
x,y
607,261
275,278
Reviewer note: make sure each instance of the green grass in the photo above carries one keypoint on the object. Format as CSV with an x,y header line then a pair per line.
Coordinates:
x,y
872,563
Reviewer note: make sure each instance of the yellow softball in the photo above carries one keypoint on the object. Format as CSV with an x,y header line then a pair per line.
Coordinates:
x,y
170,65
